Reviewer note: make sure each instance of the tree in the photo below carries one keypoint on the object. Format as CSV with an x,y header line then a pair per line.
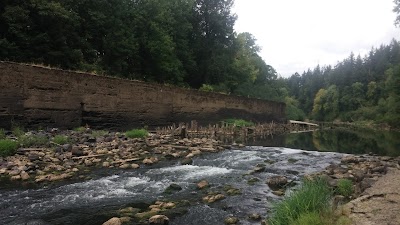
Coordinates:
x,y
396,9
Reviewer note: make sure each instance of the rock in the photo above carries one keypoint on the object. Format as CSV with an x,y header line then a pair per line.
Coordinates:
x,y
24,175
202,184
75,170
77,151
231,220
172,188
253,180
278,193
16,177
130,211
135,166
106,164
113,221
349,159
33,157
233,191
125,166
159,220
150,161
213,198
379,169
67,147
187,161
255,217
277,182
258,169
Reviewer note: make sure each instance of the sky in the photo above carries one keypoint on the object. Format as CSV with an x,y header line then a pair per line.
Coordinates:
x,y
299,34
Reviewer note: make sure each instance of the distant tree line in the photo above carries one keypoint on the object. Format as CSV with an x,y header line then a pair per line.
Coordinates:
x,y
356,89
189,43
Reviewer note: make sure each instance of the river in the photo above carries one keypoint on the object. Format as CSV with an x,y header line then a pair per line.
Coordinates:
x,y
97,199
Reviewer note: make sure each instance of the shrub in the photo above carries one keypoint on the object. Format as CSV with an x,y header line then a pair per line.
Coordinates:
x,y
239,122
136,133
80,129
345,187
313,196
33,140
18,131
2,134
60,139
99,133
7,147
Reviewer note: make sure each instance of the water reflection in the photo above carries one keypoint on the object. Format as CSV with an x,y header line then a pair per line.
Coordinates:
x,y
385,143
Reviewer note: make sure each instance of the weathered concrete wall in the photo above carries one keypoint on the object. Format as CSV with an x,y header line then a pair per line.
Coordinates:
x,y
40,97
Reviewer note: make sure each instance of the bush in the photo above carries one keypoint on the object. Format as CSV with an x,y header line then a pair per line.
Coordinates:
x,y
345,187
239,122
18,131
33,140
2,134
60,139
7,147
80,129
136,133
99,133
313,196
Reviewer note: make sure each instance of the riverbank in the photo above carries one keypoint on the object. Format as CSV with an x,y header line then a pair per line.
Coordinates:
x,y
92,149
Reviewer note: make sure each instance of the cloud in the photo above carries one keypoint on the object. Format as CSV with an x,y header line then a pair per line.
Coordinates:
x,y
297,35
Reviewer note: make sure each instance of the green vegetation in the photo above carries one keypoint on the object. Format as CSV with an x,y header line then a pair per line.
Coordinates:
x,y
238,122
33,140
136,133
60,139
80,129
18,131
189,43
356,89
345,187
302,205
7,147
99,133
2,134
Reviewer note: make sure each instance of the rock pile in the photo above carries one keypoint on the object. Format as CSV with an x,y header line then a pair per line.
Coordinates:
x,y
111,150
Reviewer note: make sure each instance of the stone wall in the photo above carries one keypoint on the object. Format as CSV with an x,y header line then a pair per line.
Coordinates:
x,y
34,96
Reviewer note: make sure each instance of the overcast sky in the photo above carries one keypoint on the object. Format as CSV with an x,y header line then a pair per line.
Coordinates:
x,y
299,34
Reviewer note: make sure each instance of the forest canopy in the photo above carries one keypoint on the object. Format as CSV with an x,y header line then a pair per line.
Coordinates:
x,y
189,43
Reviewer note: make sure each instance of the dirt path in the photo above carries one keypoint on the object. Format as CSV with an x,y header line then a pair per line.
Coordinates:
x,y
379,204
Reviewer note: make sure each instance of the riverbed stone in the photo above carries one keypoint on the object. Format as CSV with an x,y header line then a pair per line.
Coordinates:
x,y
113,221
277,182
231,220
202,184
159,220
24,175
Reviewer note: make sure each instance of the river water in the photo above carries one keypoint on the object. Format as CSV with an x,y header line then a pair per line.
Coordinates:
x,y
96,200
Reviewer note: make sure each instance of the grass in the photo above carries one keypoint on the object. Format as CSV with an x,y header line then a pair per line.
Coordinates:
x,y
33,140
7,147
80,129
238,122
99,133
137,133
345,187
60,139
312,198
18,131
2,134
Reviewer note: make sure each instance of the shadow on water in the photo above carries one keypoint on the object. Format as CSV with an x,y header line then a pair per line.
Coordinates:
x,y
384,143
